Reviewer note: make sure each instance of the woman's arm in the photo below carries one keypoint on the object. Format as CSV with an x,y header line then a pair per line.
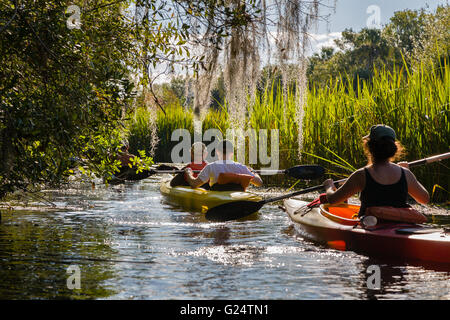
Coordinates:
x,y
257,181
354,184
193,182
415,188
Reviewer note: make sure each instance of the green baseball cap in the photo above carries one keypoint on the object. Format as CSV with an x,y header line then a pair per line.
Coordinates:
x,y
379,131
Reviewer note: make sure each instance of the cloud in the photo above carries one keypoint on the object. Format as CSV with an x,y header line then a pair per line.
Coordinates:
x,y
320,40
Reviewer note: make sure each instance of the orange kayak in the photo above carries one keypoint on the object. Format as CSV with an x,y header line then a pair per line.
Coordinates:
x,y
338,226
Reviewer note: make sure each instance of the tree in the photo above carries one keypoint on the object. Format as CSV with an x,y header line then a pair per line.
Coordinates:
x,y
405,29
410,36
319,69
65,92
218,94
62,92
366,49
433,45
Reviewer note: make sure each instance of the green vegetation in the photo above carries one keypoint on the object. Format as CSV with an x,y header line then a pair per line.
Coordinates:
x,y
411,37
65,92
67,99
336,117
414,104
61,92
398,76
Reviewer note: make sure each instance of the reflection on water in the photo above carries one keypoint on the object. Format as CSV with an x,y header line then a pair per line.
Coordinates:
x,y
129,243
37,249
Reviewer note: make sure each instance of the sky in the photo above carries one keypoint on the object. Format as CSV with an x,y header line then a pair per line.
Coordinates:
x,y
354,14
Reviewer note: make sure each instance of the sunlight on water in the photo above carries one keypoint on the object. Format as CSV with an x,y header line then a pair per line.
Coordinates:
x,y
130,243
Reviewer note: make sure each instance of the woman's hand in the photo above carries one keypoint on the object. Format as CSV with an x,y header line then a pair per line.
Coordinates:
x,y
404,164
329,183
188,173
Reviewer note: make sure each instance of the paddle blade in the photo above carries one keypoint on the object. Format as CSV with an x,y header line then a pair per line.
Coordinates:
x,y
233,210
306,172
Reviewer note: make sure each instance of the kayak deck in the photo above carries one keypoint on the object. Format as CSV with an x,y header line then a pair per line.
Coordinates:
x,y
394,240
200,199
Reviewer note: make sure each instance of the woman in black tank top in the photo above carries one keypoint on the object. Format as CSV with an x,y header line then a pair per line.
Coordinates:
x,y
383,189
376,194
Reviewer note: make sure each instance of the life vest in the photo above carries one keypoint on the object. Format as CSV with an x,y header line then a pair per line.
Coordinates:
x,y
196,167
235,178
408,215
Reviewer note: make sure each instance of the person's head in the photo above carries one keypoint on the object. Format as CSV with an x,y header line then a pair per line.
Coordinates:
x,y
380,145
224,150
198,152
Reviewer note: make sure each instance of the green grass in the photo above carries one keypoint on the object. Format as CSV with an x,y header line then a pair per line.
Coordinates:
x,y
415,105
335,119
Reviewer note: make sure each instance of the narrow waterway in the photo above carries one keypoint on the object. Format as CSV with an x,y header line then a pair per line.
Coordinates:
x,y
127,242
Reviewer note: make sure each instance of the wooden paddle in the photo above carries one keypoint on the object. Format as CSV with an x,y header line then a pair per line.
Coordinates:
x,y
304,172
240,209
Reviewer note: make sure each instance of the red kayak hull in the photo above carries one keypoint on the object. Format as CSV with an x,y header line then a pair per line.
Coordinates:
x,y
386,240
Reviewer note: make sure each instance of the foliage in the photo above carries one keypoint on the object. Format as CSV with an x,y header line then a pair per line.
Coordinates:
x,y
411,36
176,118
434,43
64,93
415,105
405,30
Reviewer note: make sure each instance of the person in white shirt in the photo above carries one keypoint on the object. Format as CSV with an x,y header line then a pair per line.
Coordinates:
x,y
225,164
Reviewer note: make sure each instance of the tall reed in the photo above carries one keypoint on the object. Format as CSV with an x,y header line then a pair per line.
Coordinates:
x,y
336,117
415,104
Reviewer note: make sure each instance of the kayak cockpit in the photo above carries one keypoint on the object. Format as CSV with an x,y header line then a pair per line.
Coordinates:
x,y
346,214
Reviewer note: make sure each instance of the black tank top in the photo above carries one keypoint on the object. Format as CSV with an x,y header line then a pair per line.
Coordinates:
x,y
375,194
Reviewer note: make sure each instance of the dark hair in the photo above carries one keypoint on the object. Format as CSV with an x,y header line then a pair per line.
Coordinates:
x,y
225,146
380,150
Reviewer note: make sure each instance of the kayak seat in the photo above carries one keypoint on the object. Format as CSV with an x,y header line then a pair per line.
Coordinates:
x,y
344,212
227,187
234,178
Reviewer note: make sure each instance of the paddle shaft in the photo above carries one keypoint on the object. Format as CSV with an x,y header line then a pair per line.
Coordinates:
x,y
316,188
297,193
438,157
239,209
305,172
196,171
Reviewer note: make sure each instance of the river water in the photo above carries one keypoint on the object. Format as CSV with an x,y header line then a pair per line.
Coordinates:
x,y
127,242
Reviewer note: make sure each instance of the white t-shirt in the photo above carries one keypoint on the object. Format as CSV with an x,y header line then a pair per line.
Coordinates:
x,y
214,169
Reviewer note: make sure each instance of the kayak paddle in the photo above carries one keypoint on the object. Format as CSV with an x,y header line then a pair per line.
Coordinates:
x,y
304,172
240,209
431,159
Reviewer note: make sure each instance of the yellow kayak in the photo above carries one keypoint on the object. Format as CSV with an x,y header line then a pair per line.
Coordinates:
x,y
200,199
